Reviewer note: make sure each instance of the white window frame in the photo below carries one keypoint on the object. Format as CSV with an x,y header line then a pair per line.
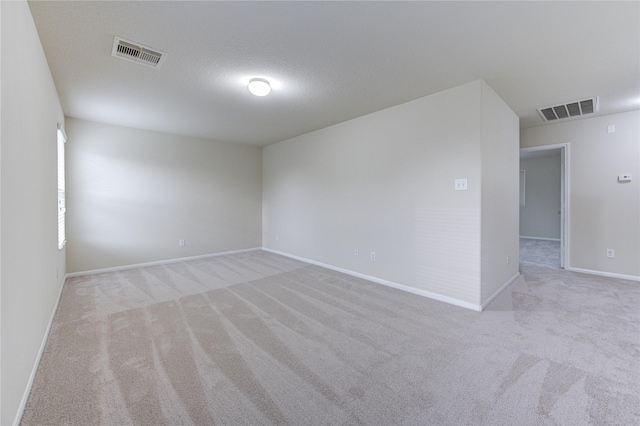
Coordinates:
x,y
523,187
62,208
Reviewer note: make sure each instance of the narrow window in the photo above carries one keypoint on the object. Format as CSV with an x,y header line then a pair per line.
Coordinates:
x,y
522,188
62,139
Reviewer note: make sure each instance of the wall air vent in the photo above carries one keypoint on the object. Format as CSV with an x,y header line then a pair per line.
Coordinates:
x,y
135,52
569,110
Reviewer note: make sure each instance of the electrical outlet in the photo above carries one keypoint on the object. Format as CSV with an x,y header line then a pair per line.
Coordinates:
x,y
355,252
277,237
373,256
181,243
508,260
611,253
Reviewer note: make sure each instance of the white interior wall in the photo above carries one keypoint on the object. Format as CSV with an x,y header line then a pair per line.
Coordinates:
x,y
604,213
500,194
384,183
539,216
132,194
33,268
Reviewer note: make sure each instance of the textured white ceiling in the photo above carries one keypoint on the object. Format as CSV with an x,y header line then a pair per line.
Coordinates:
x,y
331,61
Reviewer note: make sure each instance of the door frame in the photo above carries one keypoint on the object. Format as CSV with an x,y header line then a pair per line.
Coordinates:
x,y
565,227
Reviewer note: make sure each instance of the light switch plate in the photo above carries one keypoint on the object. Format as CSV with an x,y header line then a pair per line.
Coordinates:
x,y
461,184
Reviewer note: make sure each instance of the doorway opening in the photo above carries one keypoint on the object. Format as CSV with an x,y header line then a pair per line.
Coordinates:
x,y
544,205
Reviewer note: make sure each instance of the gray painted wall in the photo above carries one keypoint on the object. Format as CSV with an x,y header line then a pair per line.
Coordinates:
x,y
132,194
499,197
33,268
384,183
603,213
539,216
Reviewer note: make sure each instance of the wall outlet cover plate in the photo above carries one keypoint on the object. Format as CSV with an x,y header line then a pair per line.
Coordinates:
x,y
461,184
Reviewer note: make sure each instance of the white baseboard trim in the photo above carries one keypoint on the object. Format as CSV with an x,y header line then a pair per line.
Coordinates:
x,y
539,238
500,290
156,263
32,377
403,287
604,274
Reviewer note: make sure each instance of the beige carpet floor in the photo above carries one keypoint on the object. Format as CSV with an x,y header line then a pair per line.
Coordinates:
x,y
260,339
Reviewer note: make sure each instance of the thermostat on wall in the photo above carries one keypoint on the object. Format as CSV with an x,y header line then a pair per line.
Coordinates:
x,y
624,178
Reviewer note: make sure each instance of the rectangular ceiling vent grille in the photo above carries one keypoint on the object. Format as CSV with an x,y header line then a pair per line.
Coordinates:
x,y
569,110
135,52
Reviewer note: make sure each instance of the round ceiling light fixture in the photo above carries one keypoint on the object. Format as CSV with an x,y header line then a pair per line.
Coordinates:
x,y
259,87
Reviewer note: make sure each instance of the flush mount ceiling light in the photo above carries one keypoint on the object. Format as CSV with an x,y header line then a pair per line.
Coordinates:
x,y
259,87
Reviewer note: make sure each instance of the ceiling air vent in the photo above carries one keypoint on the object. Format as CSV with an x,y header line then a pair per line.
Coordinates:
x,y
569,110
136,52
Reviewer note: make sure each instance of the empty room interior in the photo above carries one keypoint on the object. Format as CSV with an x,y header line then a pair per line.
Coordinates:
x,y
315,213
